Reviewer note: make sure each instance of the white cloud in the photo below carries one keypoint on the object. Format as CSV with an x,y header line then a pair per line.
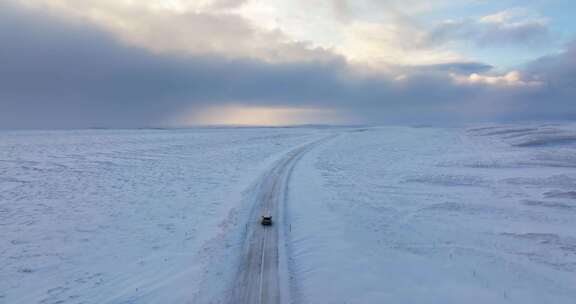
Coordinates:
x,y
513,27
194,27
367,32
513,15
510,79
380,34
390,44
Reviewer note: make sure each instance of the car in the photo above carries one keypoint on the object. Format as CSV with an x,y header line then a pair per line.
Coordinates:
x,y
266,220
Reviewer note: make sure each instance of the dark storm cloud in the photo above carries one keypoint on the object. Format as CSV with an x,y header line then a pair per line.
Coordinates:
x,y
558,71
550,97
556,98
65,74
57,73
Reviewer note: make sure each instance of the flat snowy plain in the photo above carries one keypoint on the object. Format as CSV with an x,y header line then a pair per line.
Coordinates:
x,y
483,214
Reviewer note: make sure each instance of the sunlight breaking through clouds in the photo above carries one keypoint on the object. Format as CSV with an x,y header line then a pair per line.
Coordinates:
x,y
238,115
136,62
377,33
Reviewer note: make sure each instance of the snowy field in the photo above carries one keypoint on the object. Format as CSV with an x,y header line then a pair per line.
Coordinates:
x,y
125,216
483,214
423,215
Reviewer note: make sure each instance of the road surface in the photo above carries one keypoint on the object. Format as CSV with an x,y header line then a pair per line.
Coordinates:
x,y
261,277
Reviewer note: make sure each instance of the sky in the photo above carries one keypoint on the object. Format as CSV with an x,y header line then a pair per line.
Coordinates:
x,y
179,63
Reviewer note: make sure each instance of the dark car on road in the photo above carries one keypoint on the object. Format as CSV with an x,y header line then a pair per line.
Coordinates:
x,y
266,220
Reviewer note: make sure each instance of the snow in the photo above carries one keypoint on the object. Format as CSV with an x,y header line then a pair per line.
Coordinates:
x,y
428,215
484,214
120,216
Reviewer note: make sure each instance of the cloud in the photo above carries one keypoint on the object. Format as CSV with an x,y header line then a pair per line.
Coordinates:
x,y
390,44
506,28
356,9
555,98
67,74
227,4
543,89
371,32
207,27
557,71
378,33
63,73
457,67
512,78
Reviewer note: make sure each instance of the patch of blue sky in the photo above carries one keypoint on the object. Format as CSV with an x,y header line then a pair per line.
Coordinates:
x,y
558,15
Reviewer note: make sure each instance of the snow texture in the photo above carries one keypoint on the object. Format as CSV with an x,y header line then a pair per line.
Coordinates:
x,y
485,214
427,215
143,216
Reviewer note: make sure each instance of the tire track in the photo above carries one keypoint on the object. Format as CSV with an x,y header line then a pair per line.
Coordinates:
x,y
261,278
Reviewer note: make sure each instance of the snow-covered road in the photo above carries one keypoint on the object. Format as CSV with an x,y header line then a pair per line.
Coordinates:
x,y
263,273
